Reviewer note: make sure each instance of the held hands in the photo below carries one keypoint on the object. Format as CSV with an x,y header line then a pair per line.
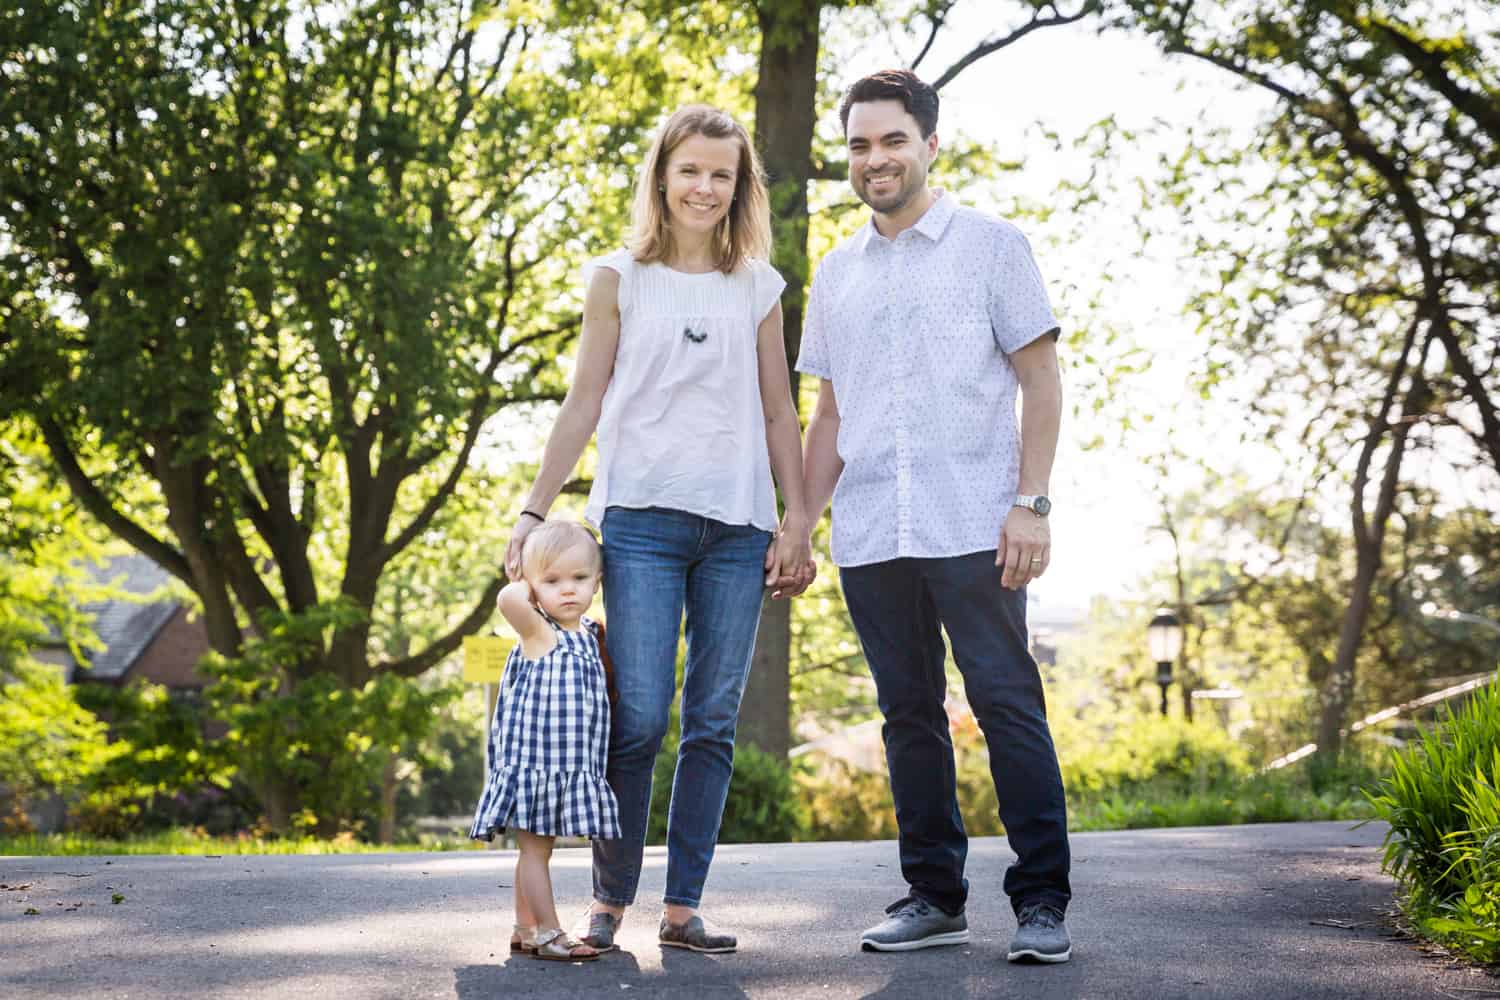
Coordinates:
x,y
789,564
1025,548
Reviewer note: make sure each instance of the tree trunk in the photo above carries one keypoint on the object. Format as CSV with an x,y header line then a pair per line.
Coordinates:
x,y
1338,690
281,802
388,789
785,108
1369,539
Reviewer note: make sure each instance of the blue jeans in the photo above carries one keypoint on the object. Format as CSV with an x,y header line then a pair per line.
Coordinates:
x,y
656,563
897,608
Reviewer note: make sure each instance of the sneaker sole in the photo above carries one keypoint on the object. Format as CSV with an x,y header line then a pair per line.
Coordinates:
x,y
931,941
699,949
1039,956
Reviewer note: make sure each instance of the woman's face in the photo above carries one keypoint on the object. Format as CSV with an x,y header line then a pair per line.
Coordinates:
x,y
700,178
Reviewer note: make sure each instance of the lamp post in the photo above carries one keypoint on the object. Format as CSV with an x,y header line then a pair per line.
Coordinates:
x,y
1164,638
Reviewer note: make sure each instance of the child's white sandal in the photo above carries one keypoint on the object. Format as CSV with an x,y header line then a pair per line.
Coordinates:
x,y
556,945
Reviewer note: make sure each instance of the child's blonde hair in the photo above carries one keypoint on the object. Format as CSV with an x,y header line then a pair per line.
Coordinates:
x,y
550,539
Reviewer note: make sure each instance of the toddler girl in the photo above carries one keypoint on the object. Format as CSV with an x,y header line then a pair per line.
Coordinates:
x,y
550,734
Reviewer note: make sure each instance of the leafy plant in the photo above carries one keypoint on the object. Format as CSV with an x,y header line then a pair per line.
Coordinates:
x,y
49,744
1443,844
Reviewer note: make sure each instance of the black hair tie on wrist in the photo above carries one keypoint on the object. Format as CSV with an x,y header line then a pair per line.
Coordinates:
x,y
534,514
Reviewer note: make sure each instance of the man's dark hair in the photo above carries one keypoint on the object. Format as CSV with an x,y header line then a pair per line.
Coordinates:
x,y
918,98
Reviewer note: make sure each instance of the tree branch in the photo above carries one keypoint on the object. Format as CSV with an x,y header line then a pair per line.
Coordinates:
x,y
991,45
413,666
1430,66
97,504
938,18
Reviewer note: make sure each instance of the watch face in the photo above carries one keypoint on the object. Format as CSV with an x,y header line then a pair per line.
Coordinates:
x,y
1042,506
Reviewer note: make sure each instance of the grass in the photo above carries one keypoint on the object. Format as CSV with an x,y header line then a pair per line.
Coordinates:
x,y
186,841
1269,798
1294,794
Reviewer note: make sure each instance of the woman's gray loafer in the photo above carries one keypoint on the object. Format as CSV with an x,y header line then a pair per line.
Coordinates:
x,y
598,929
695,937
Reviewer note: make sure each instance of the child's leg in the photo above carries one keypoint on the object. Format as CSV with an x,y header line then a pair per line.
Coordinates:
x,y
525,930
534,882
534,885
524,916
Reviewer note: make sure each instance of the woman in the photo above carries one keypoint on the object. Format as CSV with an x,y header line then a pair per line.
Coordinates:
x,y
682,370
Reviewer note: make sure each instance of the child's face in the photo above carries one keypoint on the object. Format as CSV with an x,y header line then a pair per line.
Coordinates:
x,y
566,588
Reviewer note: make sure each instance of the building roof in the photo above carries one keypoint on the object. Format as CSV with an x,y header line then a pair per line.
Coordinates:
x,y
126,626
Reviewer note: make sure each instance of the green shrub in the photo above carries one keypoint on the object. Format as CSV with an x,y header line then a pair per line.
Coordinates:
x,y
762,805
49,744
315,750
1155,752
1443,844
844,803
452,774
167,774
1277,797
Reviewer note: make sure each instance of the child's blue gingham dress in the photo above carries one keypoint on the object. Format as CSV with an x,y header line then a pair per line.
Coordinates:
x,y
548,745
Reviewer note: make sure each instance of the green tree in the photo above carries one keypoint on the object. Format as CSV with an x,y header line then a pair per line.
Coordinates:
x,y
49,744
1370,302
268,269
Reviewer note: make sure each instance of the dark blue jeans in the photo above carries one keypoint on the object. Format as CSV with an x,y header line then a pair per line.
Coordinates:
x,y
898,608
658,562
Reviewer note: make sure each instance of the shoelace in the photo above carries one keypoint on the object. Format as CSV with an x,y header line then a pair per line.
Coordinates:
x,y
1040,914
910,904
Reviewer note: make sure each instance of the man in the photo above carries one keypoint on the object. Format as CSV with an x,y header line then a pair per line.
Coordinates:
x,y
923,326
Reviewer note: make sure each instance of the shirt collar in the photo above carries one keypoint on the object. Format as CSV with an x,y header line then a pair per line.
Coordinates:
x,y
932,224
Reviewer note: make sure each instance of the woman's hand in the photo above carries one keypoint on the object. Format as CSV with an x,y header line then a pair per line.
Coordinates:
x,y
524,525
789,565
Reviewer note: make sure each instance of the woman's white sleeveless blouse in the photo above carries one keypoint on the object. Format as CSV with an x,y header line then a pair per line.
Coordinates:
x,y
682,425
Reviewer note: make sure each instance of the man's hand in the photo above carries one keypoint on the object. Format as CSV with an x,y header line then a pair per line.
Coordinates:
x,y
1025,548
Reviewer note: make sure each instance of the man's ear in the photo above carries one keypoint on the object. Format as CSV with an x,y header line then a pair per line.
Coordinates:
x,y
932,147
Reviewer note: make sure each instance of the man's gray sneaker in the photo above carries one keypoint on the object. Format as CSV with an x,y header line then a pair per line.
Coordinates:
x,y
1041,937
695,937
915,923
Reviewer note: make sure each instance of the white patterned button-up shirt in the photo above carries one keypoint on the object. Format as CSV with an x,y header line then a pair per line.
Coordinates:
x,y
914,334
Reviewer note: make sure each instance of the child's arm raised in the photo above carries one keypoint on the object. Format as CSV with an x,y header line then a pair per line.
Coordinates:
x,y
537,637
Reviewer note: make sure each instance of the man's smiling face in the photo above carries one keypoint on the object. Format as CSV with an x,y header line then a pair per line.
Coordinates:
x,y
888,158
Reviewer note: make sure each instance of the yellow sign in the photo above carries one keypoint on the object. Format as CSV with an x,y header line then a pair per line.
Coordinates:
x,y
484,658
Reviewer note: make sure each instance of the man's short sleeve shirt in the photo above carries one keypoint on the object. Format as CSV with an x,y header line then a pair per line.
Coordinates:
x,y
914,334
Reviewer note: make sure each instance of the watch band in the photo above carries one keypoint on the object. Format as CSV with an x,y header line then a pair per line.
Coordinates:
x,y
1038,504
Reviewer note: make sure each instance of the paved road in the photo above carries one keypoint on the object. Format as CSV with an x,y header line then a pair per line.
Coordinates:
x,y
1277,911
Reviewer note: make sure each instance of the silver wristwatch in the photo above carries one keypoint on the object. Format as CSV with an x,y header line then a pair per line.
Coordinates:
x,y
1038,505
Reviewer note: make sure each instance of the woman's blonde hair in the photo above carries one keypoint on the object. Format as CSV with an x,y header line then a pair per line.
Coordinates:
x,y
550,539
744,232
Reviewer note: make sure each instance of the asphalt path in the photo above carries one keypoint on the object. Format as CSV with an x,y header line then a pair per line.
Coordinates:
x,y
1275,911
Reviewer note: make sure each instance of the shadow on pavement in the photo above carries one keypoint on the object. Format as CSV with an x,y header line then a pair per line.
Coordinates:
x,y
682,973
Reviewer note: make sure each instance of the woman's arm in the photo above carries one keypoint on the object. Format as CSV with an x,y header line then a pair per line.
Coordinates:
x,y
579,415
789,562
